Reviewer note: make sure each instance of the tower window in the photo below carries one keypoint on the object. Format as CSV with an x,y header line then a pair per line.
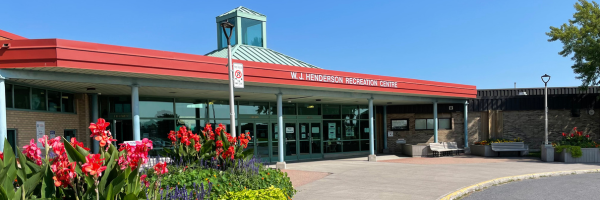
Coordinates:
x,y
224,38
252,32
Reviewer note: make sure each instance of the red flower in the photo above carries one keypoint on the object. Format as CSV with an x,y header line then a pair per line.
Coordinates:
x,y
1,155
32,152
64,171
219,151
579,133
229,153
564,135
219,144
198,146
104,139
244,139
145,145
587,136
160,168
93,165
172,136
76,144
572,135
144,181
99,127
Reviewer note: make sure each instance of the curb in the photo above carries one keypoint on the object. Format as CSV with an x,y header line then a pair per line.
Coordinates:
x,y
497,181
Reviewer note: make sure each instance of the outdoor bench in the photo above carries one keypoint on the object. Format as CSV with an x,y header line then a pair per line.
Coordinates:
x,y
509,146
438,148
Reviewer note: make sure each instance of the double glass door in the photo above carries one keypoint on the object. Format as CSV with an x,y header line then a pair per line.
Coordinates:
x,y
301,139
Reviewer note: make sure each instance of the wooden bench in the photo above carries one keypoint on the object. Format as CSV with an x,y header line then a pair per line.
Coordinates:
x,y
438,148
509,146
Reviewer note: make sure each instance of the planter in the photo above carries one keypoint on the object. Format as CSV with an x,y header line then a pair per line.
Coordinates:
x,y
415,150
483,150
589,155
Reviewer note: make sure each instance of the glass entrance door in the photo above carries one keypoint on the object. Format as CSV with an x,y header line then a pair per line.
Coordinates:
x,y
309,140
259,131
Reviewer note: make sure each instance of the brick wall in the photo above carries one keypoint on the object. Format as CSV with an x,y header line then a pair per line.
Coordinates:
x,y
25,122
529,125
412,136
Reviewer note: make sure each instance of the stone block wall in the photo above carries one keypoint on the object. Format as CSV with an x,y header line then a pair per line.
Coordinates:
x,y
24,121
529,125
412,136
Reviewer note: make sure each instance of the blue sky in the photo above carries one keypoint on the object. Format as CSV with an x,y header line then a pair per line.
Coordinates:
x,y
490,44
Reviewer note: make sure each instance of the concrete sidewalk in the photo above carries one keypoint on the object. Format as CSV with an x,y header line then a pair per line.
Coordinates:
x,y
396,177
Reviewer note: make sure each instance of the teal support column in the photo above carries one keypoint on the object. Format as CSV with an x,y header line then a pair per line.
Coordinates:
x,y
466,124
3,127
135,112
385,130
435,122
281,163
372,156
94,100
238,30
264,34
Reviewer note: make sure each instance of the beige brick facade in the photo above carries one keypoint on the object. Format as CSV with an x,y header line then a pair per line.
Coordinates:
x,y
24,122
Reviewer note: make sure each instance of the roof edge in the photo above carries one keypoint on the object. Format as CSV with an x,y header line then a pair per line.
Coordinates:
x,y
11,36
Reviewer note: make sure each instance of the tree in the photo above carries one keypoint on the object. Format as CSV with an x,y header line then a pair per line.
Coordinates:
x,y
581,38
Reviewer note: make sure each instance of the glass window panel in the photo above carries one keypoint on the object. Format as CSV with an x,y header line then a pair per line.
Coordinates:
x,y
420,124
191,108
68,104
157,130
120,104
332,130
215,123
309,109
332,146
364,145
11,136
444,123
54,101
349,112
252,32
9,96
288,108
331,112
364,112
350,130
399,124
364,129
350,146
22,97
430,124
262,132
290,131
253,108
219,109
156,108
223,38
38,99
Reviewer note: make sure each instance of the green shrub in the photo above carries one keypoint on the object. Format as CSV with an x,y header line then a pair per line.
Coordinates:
x,y
574,150
269,193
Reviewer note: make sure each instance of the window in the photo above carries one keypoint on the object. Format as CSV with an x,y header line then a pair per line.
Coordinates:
x,y
427,124
223,38
54,101
288,109
219,109
331,112
191,108
253,108
11,136
70,133
252,32
68,103
38,99
9,96
309,109
156,108
400,124
22,97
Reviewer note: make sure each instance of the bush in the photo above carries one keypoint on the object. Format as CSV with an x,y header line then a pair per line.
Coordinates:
x,y
574,150
496,140
269,193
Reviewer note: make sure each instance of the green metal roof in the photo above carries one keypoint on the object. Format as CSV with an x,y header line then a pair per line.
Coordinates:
x,y
259,54
244,10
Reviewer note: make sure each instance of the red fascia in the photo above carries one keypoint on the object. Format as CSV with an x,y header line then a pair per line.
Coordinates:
x,y
11,36
92,56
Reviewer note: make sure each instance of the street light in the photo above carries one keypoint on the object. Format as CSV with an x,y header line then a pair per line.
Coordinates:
x,y
547,77
230,26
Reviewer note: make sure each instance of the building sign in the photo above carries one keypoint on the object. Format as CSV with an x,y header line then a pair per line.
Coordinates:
x,y
343,80
40,130
238,75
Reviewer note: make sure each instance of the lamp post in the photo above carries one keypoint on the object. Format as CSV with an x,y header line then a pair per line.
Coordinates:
x,y
547,77
230,26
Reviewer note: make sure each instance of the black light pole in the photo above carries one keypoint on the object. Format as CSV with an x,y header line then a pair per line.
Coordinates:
x,y
230,26
546,107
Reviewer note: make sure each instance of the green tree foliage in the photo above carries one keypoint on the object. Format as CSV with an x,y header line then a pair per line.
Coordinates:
x,y
581,38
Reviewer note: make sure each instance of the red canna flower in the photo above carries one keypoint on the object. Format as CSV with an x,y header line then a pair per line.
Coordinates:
x,y
198,146
99,127
579,133
93,165
564,135
76,144
144,181
160,168
32,151
1,155
572,135
587,136
229,153
219,144
104,140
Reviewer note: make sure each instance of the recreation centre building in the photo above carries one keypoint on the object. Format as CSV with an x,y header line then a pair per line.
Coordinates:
x,y
57,87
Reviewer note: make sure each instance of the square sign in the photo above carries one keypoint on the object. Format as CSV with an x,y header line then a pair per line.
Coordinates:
x,y
238,75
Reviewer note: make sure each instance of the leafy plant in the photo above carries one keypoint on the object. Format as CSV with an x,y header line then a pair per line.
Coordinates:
x,y
574,150
496,140
269,193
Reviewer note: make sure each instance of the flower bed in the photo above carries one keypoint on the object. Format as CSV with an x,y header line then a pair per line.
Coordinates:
x,y
575,147
211,165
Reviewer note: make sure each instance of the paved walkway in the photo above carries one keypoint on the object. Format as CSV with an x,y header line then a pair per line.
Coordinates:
x,y
396,177
582,186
